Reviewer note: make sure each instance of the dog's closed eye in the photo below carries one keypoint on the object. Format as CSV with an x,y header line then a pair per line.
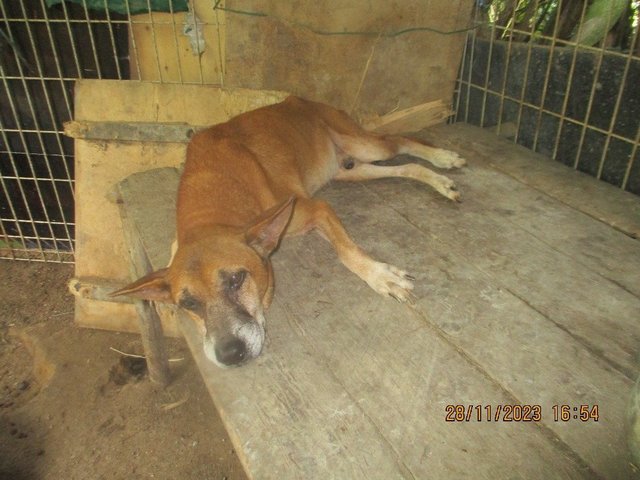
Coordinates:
x,y
235,280
189,302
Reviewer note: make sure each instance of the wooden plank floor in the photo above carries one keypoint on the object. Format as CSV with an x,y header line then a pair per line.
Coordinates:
x,y
524,298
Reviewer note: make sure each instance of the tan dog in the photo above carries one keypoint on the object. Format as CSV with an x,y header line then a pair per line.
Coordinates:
x,y
248,182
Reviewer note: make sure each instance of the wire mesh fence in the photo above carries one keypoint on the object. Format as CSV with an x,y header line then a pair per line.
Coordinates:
x,y
561,78
43,51
45,46
528,72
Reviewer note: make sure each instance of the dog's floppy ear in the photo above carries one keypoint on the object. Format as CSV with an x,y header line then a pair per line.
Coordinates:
x,y
265,233
150,287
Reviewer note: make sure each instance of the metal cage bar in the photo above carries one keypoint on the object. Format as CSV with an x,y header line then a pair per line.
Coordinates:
x,y
616,110
548,88
52,119
48,50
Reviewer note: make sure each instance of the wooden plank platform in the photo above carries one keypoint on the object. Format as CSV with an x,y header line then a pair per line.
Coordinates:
x,y
523,299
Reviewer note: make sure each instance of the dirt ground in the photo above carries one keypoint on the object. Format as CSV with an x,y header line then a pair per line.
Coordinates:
x,y
72,408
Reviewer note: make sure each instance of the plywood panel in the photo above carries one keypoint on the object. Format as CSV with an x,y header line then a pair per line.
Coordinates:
x,y
309,51
114,100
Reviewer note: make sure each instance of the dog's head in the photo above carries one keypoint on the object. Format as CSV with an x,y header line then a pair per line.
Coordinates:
x,y
223,278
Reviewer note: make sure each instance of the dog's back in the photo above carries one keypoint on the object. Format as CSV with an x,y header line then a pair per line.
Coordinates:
x,y
248,164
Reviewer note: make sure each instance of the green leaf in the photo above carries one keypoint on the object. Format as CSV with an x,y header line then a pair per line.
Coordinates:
x,y
601,16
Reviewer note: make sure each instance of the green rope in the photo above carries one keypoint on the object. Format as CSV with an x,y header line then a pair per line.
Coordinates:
x,y
392,34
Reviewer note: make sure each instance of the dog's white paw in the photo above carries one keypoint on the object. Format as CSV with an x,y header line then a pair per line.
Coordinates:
x,y
390,281
447,159
446,187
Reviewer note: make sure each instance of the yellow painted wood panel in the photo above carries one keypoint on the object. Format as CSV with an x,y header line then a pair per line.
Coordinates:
x,y
160,51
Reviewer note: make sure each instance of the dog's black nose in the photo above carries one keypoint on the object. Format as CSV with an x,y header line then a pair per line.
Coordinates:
x,y
231,352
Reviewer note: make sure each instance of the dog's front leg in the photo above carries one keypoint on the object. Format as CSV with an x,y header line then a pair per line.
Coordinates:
x,y
310,214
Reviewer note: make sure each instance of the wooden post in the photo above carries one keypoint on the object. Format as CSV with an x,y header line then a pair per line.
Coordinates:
x,y
148,319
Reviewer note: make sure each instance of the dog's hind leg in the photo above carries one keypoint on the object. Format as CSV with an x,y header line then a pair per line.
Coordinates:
x,y
368,147
438,157
311,214
365,171
362,148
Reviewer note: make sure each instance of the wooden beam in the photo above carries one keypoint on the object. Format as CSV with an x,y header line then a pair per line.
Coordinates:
x,y
96,289
140,265
130,131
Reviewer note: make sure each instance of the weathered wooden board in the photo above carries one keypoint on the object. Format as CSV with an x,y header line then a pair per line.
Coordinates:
x,y
117,101
308,49
150,200
542,210
294,414
100,165
349,389
594,310
129,131
352,385
528,354
404,372
598,258
140,209
599,200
